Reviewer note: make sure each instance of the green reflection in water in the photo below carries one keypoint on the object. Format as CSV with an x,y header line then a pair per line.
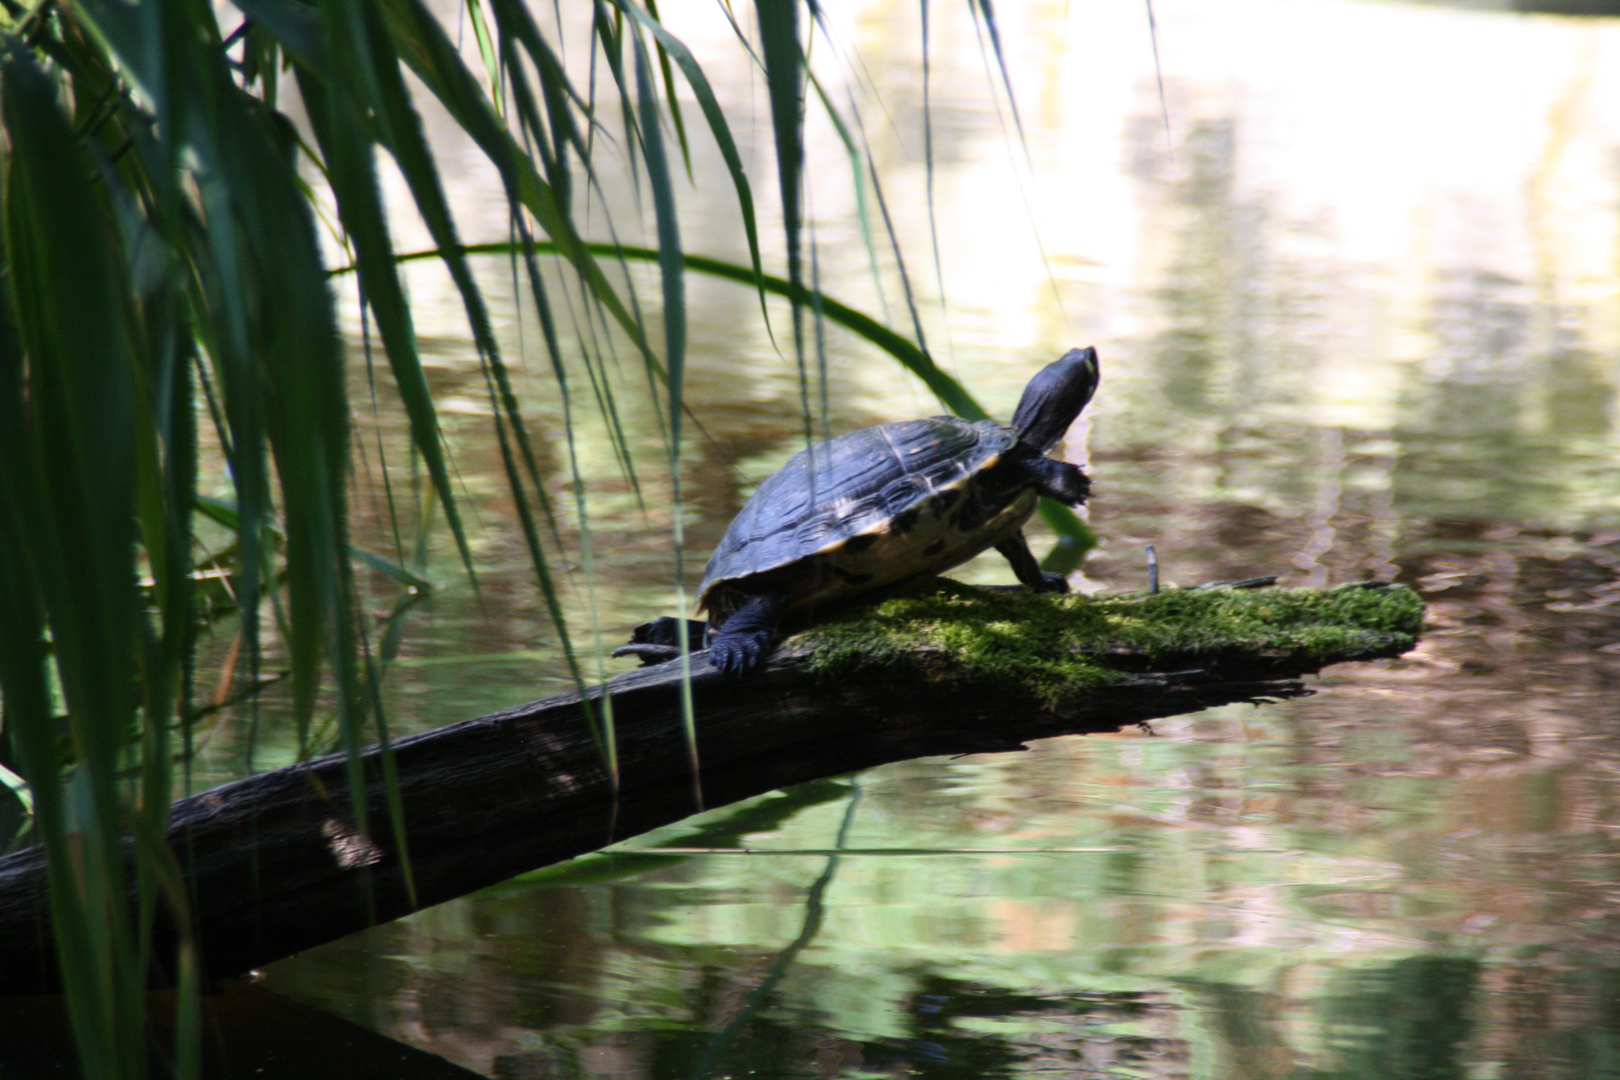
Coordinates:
x,y
1226,899
1407,1021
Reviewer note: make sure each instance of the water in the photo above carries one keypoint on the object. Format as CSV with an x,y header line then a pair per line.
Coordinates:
x,y
1358,316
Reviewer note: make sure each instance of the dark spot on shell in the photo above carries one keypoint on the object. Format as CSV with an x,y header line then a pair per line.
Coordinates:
x,y
946,499
851,577
935,548
857,544
904,522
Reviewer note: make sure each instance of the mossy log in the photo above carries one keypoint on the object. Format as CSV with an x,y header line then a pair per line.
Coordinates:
x,y
276,864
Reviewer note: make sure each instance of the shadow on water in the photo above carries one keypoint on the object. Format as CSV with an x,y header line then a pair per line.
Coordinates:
x,y
248,1034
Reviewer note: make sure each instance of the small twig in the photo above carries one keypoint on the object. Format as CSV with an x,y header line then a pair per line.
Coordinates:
x,y
1242,583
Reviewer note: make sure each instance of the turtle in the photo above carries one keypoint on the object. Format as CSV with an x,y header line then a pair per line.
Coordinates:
x,y
882,504
878,505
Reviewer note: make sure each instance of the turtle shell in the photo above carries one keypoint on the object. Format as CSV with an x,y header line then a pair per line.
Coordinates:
x,y
866,509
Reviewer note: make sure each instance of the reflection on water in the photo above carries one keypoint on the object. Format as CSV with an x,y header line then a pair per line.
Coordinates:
x,y
1352,887
1358,320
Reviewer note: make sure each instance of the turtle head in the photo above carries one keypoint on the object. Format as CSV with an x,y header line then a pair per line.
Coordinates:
x,y
1054,397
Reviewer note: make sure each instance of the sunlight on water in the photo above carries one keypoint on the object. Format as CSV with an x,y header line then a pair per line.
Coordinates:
x,y
1357,312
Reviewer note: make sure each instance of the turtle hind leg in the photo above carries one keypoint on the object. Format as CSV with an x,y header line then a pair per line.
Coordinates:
x,y
744,640
1016,550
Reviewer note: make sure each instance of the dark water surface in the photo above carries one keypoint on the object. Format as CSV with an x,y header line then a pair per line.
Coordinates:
x,y
1359,314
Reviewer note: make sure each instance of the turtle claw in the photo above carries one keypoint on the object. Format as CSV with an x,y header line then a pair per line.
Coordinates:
x,y
744,640
1055,583
739,653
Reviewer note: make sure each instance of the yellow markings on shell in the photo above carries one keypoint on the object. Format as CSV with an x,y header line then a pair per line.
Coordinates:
x,y
891,558
885,527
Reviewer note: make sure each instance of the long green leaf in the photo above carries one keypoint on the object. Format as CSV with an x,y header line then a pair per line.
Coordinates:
x,y
346,146
718,127
670,97
672,270
296,27
556,135
785,67
858,165
69,300
435,61
985,9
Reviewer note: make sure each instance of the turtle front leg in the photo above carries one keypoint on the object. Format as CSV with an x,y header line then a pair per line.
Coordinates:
x,y
744,640
1028,571
1058,480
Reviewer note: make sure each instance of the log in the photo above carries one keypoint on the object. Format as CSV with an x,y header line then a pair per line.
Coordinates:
x,y
277,866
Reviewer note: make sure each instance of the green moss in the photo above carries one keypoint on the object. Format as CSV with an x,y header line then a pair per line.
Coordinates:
x,y
1050,646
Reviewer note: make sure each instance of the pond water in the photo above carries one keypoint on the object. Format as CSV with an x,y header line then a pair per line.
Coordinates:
x,y
1356,289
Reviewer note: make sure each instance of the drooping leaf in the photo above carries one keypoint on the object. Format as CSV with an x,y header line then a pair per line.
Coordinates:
x,y
785,79
718,127
73,527
347,148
